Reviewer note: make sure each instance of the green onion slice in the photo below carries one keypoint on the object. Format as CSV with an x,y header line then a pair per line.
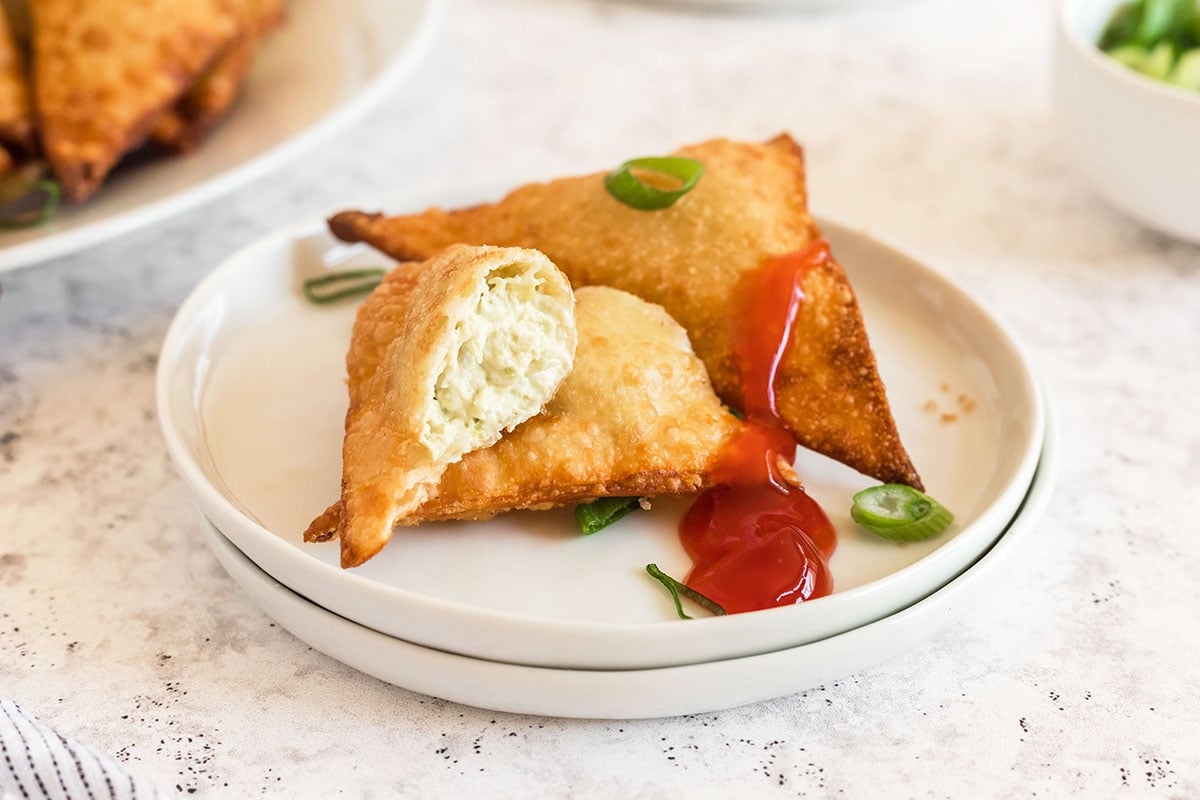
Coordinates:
x,y
900,513
338,285
1162,18
1186,73
601,513
622,184
676,588
1155,37
27,197
1122,26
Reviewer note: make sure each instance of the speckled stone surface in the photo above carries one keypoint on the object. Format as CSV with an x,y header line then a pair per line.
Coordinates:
x,y
927,122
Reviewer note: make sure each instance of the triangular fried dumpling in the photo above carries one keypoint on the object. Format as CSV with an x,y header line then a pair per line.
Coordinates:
x,y
749,205
445,357
16,119
637,416
185,126
104,70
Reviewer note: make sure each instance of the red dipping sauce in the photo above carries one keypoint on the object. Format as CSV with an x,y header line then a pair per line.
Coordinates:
x,y
756,540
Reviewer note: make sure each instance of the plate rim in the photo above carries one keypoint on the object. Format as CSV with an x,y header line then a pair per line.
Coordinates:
x,y
43,249
204,491
641,698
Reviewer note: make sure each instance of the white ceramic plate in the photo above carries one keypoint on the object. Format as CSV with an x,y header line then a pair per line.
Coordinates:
x,y
324,67
624,694
251,397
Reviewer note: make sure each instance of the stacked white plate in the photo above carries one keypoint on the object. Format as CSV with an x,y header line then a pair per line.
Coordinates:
x,y
524,614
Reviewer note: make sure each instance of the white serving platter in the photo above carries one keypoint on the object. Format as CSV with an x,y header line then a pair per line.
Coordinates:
x,y
251,398
327,65
663,692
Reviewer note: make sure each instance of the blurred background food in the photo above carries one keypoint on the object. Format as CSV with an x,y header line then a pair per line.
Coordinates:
x,y
1158,38
1133,138
83,83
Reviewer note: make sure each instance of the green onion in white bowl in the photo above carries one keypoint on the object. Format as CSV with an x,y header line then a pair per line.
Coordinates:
x,y
1131,136
1158,38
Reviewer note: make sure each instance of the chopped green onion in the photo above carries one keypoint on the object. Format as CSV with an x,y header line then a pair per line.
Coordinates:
x,y
1186,73
1156,38
27,197
735,412
1131,55
601,513
338,285
622,184
900,513
1158,61
1159,18
1122,26
676,588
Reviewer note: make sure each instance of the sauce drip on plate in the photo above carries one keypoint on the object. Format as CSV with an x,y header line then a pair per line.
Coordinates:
x,y
757,540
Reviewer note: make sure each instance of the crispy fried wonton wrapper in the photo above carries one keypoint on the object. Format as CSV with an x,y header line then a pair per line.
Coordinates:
x,y
749,205
636,416
16,120
184,127
444,358
105,70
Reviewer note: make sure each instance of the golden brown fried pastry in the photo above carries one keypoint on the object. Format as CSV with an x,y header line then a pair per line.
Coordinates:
x,y
749,205
444,358
636,416
16,120
185,126
105,70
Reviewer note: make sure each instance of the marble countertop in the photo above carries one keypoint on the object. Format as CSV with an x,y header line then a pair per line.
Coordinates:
x,y
925,121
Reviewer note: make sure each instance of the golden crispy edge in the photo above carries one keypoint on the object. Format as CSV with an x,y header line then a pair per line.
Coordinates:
x,y
325,526
380,430
858,426
643,484
831,396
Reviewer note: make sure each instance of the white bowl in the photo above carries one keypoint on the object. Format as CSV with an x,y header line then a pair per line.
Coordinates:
x,y
251,399
1135,138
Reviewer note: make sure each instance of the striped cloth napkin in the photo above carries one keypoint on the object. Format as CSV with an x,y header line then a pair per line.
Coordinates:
x,y
39,763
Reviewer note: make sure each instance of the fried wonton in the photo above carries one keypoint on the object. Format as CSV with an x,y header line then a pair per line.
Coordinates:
x,y
105,70
444,358
16,119
749,205
636,416
185,126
